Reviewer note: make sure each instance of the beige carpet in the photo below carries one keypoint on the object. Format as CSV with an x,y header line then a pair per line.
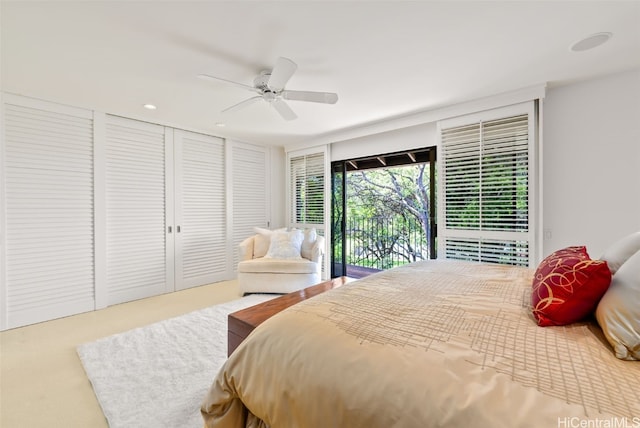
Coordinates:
x,y
42,382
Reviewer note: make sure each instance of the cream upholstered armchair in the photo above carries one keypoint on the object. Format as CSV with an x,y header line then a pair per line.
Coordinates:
x,y
280,261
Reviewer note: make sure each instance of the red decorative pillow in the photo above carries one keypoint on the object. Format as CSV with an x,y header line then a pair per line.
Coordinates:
x,y
567,286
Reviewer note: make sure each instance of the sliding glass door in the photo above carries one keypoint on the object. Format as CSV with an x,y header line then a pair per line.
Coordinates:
x,y
338,219
383,211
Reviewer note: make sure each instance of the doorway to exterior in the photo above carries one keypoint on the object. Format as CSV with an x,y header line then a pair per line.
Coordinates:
x,y
383,212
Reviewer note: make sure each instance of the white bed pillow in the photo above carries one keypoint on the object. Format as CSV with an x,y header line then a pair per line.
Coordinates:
x,y
621,250
285,245
618,312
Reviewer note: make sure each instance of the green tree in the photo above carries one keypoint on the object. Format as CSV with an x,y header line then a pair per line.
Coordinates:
x,y
384,207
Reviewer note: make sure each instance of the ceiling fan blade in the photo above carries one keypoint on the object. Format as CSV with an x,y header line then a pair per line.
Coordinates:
x,y
242,104
281,73
314,97
284,109
207,77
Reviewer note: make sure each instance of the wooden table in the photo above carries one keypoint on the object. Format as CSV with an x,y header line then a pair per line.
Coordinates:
x,y
243,322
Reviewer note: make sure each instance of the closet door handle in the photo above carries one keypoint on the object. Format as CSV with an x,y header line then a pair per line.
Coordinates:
x,y
169,229
178,229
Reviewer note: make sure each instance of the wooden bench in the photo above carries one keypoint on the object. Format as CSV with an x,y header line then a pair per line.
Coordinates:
x,y
243,322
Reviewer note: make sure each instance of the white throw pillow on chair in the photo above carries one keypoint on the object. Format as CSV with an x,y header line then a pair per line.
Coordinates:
x,y
310,237
285,245
262,241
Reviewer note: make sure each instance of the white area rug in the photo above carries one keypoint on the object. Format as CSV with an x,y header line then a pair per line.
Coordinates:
x,y
157,376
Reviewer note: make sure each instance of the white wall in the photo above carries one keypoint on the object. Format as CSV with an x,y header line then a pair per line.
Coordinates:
x,y
592,162
413,137
278,187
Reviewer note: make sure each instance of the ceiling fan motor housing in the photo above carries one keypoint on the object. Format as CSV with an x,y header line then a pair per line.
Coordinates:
x,y
262,81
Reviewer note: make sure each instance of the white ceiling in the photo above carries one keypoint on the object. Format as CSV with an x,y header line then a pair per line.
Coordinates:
x,y
384,59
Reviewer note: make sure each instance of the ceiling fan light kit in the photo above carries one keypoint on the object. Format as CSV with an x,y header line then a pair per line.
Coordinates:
x,y
270,87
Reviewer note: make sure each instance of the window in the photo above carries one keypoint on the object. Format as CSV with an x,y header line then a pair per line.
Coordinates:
x,y
307,177
487,185
307,181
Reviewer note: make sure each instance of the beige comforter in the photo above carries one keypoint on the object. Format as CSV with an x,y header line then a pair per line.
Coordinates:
x,y
432,344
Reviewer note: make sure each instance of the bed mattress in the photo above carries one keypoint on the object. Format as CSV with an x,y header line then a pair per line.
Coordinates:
x,y
430,344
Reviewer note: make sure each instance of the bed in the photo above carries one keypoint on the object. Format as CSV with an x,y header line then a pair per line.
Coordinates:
x,y
430,344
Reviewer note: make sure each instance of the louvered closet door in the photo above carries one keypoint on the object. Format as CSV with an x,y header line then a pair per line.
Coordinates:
x,y
136,193
250,190
48,175
200,210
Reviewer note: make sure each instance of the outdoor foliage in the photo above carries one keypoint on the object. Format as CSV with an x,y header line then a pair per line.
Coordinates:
x,y
388,216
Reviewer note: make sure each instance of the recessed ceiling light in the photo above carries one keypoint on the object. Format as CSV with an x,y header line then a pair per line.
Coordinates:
x,y
220,125
149,106
591,42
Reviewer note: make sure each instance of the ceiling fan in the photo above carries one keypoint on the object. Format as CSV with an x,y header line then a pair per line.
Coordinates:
x,y
269,85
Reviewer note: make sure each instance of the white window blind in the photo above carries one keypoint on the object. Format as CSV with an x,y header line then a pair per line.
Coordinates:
x,y
308,184
307,175
48,174
250,190
486,190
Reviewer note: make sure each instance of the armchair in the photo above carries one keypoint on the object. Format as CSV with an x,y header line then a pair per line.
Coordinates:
x,y
280,261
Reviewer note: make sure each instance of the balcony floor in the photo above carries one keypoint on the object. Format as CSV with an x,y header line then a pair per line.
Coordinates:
x,y
358,272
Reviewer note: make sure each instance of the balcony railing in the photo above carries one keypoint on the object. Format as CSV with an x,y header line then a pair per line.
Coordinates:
x,y
382,243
